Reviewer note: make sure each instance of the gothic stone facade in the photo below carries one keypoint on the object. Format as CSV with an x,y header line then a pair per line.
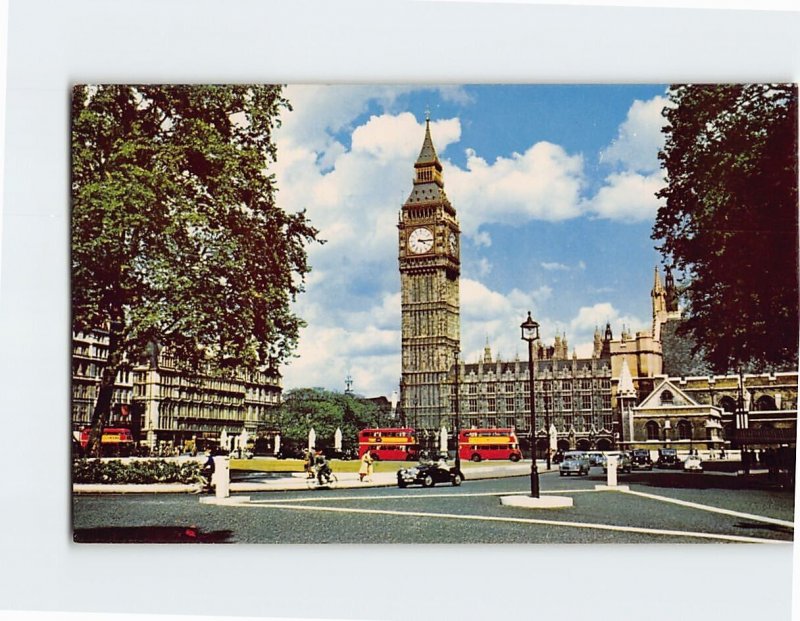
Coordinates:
x,y
573,393
428,234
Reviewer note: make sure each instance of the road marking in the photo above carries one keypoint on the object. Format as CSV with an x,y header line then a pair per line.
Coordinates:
x,y
712,509
491,518
421,495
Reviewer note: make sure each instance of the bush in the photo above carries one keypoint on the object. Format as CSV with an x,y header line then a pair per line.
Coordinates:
x,y
137,471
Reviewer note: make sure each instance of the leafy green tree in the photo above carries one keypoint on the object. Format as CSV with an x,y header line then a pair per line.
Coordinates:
x,y
729,221
325,410
177,240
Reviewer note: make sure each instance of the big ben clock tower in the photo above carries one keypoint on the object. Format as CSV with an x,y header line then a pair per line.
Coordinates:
x,y
429,271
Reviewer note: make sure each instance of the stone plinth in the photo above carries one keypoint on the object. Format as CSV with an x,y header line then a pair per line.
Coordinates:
x,y
544,502
228,500
611,488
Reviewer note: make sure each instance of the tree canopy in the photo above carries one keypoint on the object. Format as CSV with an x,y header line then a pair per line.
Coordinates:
x,y
325,410
177,240
729,220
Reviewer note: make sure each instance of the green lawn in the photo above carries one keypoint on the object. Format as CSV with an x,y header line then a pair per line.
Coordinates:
x,y
261,464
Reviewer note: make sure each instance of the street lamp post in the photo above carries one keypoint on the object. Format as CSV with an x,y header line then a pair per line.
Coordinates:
x,y
547,423
741,422
457,431
530,333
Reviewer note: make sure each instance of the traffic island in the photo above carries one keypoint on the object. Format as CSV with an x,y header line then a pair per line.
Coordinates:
x,y
611,488
529,502
227,500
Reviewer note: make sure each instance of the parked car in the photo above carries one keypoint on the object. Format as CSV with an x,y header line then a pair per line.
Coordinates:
x,y
693,463
623,462
574,461
640,460
668,458
596,459
429,474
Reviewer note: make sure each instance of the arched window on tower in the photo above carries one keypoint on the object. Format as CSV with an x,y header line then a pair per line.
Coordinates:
x,y
766,403
652,430
728,404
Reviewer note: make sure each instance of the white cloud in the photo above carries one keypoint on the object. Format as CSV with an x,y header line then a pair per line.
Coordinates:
x,y
390,138
639,138
597,315
482,238
543,183
628,196
552,266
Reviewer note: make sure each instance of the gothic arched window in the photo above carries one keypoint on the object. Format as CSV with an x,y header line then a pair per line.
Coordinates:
x,y
766,403
652,430
727,404
684,430
667,398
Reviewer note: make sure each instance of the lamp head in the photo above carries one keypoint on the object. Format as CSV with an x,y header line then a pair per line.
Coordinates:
x,y
530,329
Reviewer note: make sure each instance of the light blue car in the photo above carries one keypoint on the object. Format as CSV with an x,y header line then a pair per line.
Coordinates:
x,y
576,462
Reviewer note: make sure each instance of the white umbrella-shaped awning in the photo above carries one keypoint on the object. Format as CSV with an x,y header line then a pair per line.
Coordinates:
x,y
337,439
277,443
312,438
443,440
553,437
223,439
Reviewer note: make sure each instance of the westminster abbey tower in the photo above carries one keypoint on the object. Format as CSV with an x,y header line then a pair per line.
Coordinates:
x,y
429,271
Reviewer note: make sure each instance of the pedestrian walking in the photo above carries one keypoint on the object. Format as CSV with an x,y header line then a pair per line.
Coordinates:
x,y
365,469
308,463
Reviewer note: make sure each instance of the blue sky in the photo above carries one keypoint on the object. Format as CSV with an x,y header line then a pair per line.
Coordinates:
x,y
554,189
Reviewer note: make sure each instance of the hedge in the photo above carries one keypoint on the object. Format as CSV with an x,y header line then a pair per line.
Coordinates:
x,y
135,471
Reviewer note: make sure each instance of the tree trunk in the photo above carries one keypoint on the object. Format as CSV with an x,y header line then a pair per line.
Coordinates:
x,y
102,407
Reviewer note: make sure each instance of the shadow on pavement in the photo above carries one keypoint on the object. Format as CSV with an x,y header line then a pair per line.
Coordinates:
x,y
777,528
704,481
149,534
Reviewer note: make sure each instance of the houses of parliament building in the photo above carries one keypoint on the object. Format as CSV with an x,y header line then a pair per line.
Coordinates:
x,y
620,396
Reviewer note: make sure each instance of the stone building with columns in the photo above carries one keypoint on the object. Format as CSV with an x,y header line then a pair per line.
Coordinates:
x,y
165,407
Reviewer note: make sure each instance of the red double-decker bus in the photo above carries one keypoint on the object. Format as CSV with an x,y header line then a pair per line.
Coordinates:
x,y
480,444
114,441
392,444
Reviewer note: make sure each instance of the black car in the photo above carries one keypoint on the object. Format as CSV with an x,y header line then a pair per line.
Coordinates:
x,y
668,458
428,475
640,459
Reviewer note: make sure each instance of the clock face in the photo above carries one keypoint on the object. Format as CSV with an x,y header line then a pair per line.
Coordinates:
x,y
453,243
420,240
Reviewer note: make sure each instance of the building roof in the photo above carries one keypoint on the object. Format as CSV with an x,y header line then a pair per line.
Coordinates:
x,y
427,154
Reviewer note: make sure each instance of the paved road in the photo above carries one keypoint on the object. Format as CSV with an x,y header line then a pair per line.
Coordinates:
x,y
661,507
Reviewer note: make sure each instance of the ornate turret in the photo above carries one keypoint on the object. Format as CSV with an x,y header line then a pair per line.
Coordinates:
x,y
671,293
607,337
598,343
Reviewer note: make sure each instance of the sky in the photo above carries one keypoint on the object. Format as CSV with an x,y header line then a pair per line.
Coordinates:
x,y
554,187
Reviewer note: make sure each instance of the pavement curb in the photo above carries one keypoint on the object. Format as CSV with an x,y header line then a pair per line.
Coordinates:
x,y
296,482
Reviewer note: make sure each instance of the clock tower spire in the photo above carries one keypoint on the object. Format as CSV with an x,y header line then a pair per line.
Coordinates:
x,y
430,266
